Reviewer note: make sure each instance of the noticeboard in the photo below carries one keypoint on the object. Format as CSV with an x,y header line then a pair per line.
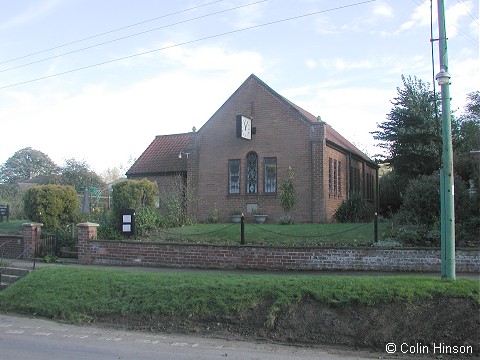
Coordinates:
x,y
4,212
127,222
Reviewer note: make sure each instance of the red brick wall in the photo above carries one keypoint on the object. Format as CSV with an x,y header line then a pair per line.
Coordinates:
x,y
280,133
270,258
11,246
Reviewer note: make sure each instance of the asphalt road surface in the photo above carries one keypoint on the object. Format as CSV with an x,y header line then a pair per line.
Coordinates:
x,y
24,338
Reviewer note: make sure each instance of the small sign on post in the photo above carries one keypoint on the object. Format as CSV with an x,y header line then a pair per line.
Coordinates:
x,y
4,212
127,222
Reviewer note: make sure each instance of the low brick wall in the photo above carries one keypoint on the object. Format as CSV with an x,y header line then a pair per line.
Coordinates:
x,y
11,246
269,258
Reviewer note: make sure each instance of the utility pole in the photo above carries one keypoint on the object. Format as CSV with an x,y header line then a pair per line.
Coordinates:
x,y
447,209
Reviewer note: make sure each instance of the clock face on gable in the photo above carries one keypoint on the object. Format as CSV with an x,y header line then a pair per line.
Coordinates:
x,y
244,127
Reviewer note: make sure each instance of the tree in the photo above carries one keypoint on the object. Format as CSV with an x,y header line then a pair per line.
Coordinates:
x,y
79,175
25,164
112,174
467,139
410,135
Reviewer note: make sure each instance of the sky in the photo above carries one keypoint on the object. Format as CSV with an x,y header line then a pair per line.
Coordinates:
x,y
96,81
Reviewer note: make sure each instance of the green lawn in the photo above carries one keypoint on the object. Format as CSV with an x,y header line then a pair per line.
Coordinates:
x,y
12,227
77,295
273,234
255,234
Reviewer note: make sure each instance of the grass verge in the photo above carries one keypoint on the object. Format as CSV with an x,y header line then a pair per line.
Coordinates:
x,y
83,295
12,227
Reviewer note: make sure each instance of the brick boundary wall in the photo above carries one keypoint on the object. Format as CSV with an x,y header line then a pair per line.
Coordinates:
x,y
106,252
13,247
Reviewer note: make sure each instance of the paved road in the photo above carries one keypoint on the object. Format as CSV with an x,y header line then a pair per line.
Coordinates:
x,y
25,338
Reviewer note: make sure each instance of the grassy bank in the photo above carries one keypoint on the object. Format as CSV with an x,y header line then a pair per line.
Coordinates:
x,y
81,295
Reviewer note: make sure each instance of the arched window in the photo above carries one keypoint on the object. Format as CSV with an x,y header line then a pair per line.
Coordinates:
x,y
252,173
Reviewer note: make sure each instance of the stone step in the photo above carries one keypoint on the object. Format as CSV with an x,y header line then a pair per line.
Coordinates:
x,y
9,279
8,275
10,270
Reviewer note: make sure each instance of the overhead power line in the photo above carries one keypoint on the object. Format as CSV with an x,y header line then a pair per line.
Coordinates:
x,y
133,35
467,8
193,41
112,31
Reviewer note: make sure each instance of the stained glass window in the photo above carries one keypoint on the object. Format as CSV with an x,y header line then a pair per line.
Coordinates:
x,y
252,173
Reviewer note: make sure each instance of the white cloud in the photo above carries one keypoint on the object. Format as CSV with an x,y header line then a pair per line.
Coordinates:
x,y
311,64
341,64
30,14
383,9
453,16
213,58
353,112
106,126
419,18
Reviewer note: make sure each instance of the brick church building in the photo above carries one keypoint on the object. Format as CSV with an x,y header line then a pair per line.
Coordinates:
x,y
238,160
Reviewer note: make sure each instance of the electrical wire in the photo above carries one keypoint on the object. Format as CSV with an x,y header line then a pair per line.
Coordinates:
x,y
190,42
133,35
462,33
112,31
468,10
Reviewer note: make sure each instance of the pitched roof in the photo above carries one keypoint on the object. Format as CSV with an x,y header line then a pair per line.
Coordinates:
x,y
162,155
330,133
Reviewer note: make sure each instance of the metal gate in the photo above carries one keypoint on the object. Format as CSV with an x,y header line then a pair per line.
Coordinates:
x,y
56,243
47,245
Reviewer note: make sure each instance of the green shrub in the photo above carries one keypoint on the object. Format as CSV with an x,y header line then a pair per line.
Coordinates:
x,y
418,221
288,199
147,219
354,209
286,220
52,205
134,194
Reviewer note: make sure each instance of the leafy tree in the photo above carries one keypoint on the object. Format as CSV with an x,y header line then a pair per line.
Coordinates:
x,y
112,174
52,205
410,135
79,175
467,139
25,164
11,195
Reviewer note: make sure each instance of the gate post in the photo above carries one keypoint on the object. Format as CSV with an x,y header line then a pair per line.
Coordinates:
x,y
31,237
86,232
